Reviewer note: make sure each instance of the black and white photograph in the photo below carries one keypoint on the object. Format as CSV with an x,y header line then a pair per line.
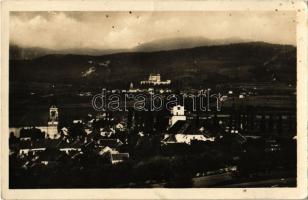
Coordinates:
x,y
140,99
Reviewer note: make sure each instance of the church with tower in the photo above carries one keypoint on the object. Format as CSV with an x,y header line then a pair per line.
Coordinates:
x,y
49,127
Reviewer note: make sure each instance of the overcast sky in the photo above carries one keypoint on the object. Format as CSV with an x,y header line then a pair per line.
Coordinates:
x,y
117,30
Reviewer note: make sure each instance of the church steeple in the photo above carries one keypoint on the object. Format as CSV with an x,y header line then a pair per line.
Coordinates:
x,y
52,129
53,113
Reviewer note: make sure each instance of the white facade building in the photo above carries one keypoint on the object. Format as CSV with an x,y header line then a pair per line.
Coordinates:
x,y
178,114
185,138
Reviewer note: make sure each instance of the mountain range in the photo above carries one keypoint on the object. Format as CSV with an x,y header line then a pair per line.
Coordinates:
x,y
28,53
193,66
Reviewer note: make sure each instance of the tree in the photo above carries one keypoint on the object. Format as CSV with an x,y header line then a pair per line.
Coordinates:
x,y
77,130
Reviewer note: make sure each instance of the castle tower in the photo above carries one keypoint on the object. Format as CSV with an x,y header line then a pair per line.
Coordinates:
x,y
178,114
52,129
158,78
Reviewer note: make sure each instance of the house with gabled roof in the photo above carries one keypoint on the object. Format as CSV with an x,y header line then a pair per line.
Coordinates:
x,y
118,157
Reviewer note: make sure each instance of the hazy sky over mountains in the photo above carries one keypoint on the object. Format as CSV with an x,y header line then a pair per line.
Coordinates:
x,y
122,30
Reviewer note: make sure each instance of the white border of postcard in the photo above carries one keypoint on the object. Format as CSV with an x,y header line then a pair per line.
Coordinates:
x,y
300,7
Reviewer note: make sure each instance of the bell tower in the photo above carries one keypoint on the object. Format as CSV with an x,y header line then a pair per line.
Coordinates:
x,y
53,113
52,129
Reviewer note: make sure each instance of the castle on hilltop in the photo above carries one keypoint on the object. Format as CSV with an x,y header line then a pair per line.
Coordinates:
x,y
154,79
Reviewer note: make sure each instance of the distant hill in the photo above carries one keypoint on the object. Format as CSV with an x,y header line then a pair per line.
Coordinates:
x,y
199,66
21,53
183,43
